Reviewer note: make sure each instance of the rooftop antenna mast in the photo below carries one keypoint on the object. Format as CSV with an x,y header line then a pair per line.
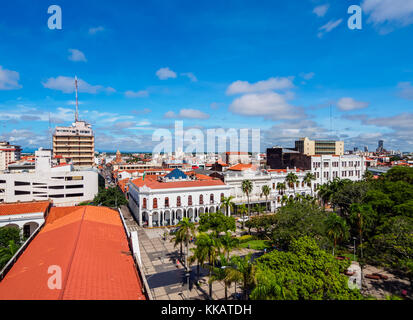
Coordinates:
x,y
77,103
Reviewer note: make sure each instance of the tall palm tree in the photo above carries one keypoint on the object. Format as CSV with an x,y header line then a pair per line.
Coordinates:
x,y
291,179
324,193
211,245
284,200
183,235
243,210
247,189
258,209
266,192
308,178
242,270
227,203
228,243
281,187
336,228
220,273
200,255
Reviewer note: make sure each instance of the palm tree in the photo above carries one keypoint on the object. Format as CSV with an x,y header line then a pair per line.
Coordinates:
x,y
247,189
336,228
266,192
228,243
200,255
183,235
291,179
284,200
324,193
242,270
281,187
243,210
220,273
7,253
258,209
211,245
308,178
227,203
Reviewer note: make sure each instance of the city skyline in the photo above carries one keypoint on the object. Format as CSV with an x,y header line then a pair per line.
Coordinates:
x,y
290,69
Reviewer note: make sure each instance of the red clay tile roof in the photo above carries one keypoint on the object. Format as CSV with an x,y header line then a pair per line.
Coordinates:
x,y
90,246
242,166
23,207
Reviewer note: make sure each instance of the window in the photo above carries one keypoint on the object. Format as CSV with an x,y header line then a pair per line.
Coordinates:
x,y
74,178
144,203
166,202
201,199
75,186
178,201
155,203
211,198
21,193
189,200
273,186
26,231
222,196
21,183
56,187
57,196
72,195
2,181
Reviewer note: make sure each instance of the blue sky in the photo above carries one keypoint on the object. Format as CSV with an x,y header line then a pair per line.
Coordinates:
x,y
281,66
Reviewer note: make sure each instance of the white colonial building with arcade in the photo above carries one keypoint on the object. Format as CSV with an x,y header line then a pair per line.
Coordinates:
x,y
157,201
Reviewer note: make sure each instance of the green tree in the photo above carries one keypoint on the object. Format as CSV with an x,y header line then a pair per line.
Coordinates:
x,y
247,189
6,253
200,255
220,273
242,270
217,222
228,243
291,179
337,229
10,233
211,245
243,209
281,187
266,192
186,230
304,272
110,197
308,179
226,202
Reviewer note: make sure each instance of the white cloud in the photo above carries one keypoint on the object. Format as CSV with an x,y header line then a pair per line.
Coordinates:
x,y
165,73
9,80
270,105
190,76
307,76
95,30
67,85
187,114
321,11
77,55
347,104
406,90
137,94
390,12
239,87
329,26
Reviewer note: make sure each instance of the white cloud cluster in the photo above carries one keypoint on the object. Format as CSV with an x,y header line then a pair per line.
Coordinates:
x,y
9,80
165,73
348,104
187,114
77,55
67,85
395,12
239,87
321,11
137,94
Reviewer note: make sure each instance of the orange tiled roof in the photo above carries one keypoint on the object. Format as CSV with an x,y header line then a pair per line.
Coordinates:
x,y
242,166
90,246
23,207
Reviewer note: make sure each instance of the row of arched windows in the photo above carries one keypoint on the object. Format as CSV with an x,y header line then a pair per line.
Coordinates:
x,y
178,201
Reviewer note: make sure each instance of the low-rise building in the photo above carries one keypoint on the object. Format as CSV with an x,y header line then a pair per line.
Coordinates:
x,y
8,154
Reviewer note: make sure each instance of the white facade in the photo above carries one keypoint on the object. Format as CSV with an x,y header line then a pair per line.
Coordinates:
x,y
326,168
159,206
28,222
59,184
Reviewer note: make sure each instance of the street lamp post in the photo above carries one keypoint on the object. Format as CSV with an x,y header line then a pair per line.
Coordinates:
x,y
354,248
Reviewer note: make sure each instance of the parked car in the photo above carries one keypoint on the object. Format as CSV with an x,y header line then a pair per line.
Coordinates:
x,y
243,219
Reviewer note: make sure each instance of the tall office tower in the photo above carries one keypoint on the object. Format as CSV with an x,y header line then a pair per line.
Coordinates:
x,y
319,147
380,148
77,142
